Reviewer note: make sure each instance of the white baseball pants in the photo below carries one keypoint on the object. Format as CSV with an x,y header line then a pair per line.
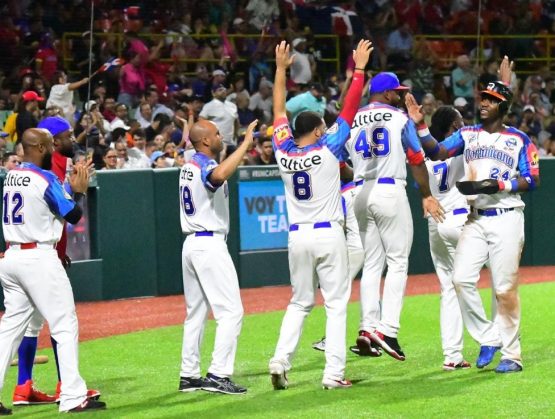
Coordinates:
x,y
35,279
443,242
355,251
385,222
500,239
317,256
210,283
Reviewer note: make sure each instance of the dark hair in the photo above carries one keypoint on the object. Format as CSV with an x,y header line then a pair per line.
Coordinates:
x,y
306,122
164,119
442,120
140,133
7,156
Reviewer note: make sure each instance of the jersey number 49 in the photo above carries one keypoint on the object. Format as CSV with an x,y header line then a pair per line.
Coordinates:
x,y
373,143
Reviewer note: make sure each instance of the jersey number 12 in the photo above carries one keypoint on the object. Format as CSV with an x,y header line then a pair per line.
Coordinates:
x,y
15,216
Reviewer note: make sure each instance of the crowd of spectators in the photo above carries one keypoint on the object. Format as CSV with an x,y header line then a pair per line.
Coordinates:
x,y
182,62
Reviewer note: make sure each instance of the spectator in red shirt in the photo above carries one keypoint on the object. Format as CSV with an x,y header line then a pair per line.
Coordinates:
x,y
46,58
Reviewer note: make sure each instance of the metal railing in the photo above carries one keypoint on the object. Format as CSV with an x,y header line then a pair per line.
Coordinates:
x,y
539,49
117,40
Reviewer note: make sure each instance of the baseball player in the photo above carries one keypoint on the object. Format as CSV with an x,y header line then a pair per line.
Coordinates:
x,y
209,277
31,273
382,138
25,393
500,162
355,251
445,236
309,167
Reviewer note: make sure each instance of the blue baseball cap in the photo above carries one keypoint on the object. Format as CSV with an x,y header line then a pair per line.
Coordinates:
x,y
54,124
382,82
3,134
155,156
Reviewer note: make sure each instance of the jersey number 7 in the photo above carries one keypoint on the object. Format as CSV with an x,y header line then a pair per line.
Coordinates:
x,y
373,143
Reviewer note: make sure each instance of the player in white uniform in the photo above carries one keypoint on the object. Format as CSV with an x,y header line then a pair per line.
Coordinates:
x,y
33,278
500,162
355,251
445,236
382,139
309,167
209,278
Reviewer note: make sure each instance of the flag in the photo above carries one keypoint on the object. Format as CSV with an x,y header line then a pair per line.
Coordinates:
x,y
111,63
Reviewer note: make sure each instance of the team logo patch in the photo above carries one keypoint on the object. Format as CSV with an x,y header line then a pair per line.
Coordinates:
x,y
282,133
510,143
333,129
535,158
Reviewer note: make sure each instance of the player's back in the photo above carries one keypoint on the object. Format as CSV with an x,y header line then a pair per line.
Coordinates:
x,y
204,207
378,147
31,198
310,175
443,176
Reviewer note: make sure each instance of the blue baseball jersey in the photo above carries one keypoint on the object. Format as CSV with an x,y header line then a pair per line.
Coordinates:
x,y
501,155
34,204
311,173
204,206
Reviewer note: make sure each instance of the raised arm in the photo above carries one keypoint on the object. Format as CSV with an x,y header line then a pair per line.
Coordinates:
x,y
352,101
283,61
506,70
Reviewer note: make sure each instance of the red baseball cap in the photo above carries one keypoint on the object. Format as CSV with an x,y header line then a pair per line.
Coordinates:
x,y
31,95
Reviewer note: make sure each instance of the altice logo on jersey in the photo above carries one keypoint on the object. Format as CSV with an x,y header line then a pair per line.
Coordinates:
x,y
300,163
488,153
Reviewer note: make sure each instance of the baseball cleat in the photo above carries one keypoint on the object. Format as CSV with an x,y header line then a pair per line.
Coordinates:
x,y
375,351
330,384
486,355
26,394
365,345
189,384
388,344
279,378
4,411
91,394
320,345
224,385
508,365
88,404
451,366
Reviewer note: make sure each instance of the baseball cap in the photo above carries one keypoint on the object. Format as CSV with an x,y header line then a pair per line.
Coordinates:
x,y
298,41
460,102
155,156
31,95
218,73
218,87
119,124
499,91
266,83
385,81
89,105
54,124
3,134
529,108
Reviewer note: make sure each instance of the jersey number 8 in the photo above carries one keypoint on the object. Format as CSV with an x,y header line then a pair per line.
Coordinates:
x,y
16,215
374,143
187,198
301,186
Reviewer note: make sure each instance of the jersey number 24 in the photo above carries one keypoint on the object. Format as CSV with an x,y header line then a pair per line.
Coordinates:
x,y
13,216
373,143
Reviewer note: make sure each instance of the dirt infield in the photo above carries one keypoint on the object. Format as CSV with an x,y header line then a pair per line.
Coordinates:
x,y
108,318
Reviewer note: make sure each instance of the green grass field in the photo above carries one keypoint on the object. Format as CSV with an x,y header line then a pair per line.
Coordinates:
x,y
139,373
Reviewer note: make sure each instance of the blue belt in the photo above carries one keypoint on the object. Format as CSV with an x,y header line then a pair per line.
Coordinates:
x,y
204,234
321,224
460,211
359,182
491,212
387,180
